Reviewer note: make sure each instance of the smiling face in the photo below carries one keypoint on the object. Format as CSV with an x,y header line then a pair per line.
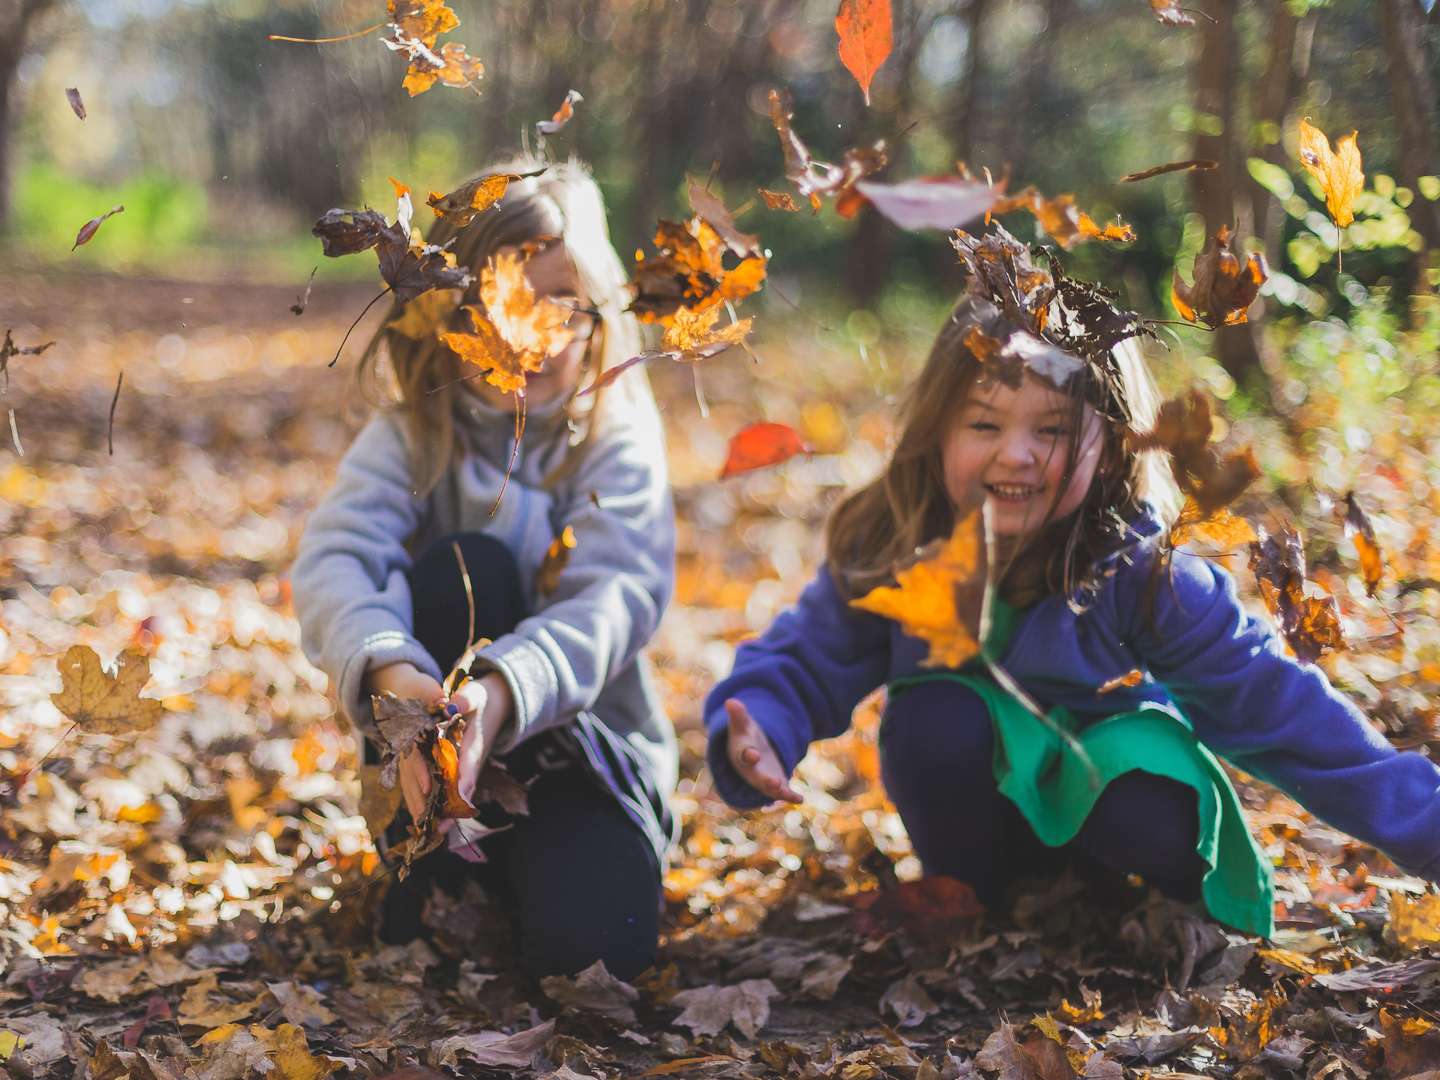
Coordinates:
x,y
1010,446
552,275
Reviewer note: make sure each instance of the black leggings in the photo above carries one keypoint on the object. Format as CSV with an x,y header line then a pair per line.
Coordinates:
x,y
577,875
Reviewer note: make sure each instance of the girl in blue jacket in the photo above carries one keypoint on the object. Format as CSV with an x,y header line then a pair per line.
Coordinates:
x,y
983,787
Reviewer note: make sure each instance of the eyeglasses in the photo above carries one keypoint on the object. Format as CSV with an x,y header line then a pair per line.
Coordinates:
x,y
582,321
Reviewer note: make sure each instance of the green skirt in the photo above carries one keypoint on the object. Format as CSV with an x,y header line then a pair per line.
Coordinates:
x,y
1055,786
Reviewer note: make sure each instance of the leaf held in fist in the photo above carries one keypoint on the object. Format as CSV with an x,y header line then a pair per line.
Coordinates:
x,y
91,227
1339,170
447,766
924,601
403,723
101,703
1224,287
866,38
759,445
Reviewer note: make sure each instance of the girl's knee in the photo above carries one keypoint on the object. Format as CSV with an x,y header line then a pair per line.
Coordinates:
x,y
937,726
626,944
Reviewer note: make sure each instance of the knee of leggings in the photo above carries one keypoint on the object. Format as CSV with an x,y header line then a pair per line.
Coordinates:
x,y
937,726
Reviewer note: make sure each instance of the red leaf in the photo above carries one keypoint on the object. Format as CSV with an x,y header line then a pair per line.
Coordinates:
x,y
759,445
864,27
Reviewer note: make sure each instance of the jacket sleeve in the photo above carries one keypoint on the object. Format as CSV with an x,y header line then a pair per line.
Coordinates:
x,y
1279,719
613,590
800,680
349,580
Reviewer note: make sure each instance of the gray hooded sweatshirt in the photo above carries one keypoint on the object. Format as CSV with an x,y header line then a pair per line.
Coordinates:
x,y
578,654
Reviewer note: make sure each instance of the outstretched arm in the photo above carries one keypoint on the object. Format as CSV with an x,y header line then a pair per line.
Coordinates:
x,y
798,682
1279,719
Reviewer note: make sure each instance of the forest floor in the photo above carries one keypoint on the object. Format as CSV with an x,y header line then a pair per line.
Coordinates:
x,y
194,901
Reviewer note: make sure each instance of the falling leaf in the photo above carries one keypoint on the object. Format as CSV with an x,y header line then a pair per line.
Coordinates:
x,y
77,106
1133,677
563,115
689,338
709,1009
756,446
688,270
712,210
514,333
1221,529
1170,13
302,302
931,202
1224,288
423,20
594,990
409,269
493,1049
866,38
1192,165
460,206
779,200
104,704
815,180
924,602
1065,222
93,225
1338,171
1183,428
1362,535
557,557
1310,624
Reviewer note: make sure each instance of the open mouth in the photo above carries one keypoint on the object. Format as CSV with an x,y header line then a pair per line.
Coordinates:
x,y
1013,493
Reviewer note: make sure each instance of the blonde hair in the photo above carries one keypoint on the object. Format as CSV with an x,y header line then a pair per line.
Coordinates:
x,y
562,201
907,505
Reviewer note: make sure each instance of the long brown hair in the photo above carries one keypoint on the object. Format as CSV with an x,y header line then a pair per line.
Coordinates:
x,y
906,506
424,376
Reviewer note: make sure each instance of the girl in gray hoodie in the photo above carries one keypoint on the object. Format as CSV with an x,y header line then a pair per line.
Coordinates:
x,y
561,693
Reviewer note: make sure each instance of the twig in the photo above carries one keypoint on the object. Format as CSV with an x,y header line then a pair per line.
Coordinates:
x,y
113,402
355,324
19,778
514,450
469,595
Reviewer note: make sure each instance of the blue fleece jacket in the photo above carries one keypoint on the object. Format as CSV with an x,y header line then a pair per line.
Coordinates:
x,y
1252,704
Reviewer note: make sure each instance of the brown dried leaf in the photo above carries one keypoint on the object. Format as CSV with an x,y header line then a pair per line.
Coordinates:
x,y
1310,624
1065,222
1191,165
1224,288
104,704
689,271
473,197
779,200
92,226
1362,535
713,210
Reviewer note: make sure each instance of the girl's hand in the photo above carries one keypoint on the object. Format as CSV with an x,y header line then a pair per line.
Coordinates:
x,y
754,758
405,680
487,706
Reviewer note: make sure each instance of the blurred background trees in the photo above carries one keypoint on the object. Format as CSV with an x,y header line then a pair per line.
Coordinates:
x,y
225,146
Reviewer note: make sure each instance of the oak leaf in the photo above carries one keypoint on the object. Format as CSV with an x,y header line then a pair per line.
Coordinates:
x,y
866,38
1338,170
101,703
1224,287
924,599
688,270
756,446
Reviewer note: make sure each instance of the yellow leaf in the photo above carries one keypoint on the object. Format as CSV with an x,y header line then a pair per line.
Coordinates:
x,y
1415,922
104,704
425,314
1338,170
9,1043
924,603
1222,528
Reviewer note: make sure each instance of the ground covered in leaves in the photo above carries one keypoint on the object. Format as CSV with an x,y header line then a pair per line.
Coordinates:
x,y
193,902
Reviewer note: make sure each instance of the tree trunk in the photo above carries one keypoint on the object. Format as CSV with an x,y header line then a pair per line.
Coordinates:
x,y
16,18
1215,76
1272,96
967,91
1037,103
1411,91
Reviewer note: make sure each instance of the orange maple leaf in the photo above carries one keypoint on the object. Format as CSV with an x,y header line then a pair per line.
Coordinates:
x,y
924,600
1338,170
688,271
514,333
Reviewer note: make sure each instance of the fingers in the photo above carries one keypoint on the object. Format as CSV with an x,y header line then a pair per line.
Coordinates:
x,y
472,756
753,756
